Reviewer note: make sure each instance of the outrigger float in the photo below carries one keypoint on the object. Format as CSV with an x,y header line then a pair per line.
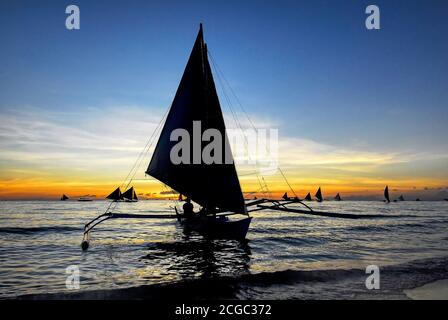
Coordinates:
x,y
215,187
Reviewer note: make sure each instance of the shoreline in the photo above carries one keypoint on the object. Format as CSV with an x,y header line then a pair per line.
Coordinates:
x,y
417,280
436,290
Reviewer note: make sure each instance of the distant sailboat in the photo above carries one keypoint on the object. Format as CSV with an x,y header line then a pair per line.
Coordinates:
x,y
287,198
386,194
308,197
338,197
418,199
115,195
64,197
129,195
318,195
401,198
85,199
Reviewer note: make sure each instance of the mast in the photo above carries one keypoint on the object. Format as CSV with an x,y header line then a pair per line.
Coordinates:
x,y
213,186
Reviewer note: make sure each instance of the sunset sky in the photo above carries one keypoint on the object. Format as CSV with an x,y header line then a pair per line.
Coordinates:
x,y
355,109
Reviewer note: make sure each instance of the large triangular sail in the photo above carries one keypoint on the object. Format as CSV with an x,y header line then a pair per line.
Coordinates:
x,y
308,197
214,186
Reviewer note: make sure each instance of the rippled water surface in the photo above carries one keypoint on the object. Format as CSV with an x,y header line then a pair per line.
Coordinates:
x,y
39,239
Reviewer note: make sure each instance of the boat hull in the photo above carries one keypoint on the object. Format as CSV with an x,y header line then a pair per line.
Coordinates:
x,y
218,227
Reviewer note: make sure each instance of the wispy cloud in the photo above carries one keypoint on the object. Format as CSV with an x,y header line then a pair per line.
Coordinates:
x,y
42,146
93,140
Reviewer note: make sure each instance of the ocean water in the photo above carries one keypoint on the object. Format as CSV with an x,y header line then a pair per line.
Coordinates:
x,y
285,255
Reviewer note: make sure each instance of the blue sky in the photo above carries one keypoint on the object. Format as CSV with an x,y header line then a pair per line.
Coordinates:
x,y
310,68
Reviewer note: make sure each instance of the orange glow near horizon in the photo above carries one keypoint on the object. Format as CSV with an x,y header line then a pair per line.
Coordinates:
x,y
34,188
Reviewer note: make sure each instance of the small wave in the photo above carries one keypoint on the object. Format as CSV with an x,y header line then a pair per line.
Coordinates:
x,y
51,209
369,228
394,277
297,240
31,230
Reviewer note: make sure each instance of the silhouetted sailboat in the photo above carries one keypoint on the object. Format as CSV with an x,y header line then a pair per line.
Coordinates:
x,y
401,198
318,195
386,194
308,197
214,186
129,195
115,195
85,199
287,198
64,197
338,197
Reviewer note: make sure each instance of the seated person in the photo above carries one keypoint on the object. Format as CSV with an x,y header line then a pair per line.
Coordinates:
x,y
188,208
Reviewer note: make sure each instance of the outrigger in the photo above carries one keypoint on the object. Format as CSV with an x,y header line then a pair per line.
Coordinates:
x,y
215,187
218,226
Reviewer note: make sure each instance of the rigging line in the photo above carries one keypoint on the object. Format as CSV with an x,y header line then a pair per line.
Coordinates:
x,y
262,187
235,118
234,94
251,173
265,184
248,118
230,107
220,74
286,180
237,122
143,153
142,156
